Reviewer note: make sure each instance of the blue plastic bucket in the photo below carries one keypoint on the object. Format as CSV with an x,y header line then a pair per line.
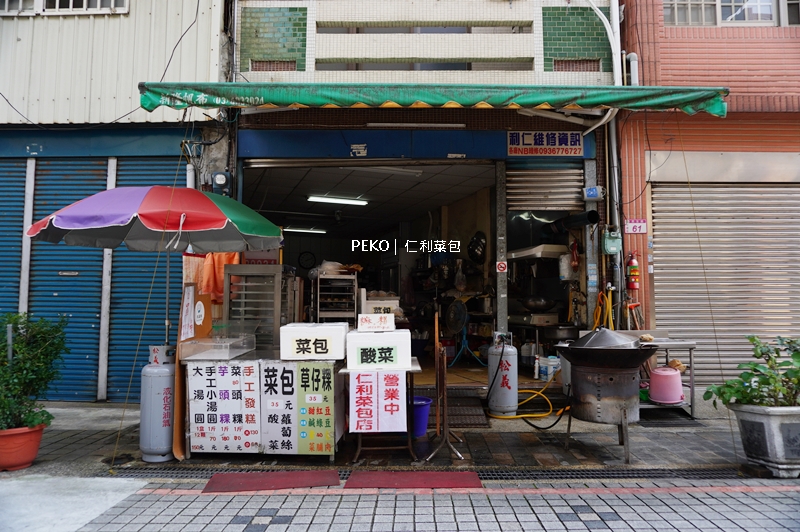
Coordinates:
x,y
422,409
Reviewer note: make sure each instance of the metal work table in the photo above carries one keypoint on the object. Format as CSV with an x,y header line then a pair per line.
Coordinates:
x,y
666,344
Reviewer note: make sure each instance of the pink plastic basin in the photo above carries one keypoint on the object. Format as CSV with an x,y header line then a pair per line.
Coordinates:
x,y
666,386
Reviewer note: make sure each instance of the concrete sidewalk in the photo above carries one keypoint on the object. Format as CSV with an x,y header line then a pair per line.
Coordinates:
x,y
681,477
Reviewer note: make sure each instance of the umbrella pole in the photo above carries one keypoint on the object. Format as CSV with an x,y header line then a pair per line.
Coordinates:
x,y
166,312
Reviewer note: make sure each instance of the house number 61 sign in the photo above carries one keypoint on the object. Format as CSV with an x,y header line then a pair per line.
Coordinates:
x,y
637,227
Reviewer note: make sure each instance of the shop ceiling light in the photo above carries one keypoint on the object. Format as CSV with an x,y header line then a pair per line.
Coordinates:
x,y
303,230
383,170
340,201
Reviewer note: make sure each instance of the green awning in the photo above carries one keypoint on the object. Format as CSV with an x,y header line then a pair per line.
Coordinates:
x,y
411,95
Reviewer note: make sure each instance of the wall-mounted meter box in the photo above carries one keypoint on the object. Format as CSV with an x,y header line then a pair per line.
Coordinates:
x,y
612,242
594,193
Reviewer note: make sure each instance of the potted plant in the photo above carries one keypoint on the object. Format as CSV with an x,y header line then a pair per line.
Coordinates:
x,y
36,350
766,401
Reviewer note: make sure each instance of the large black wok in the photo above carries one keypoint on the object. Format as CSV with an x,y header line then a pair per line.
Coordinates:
x,y
603,348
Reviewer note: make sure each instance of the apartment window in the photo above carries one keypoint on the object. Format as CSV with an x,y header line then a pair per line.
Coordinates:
x,y
273,66
690,12
62,7
793,9
746,10
723,12
576,65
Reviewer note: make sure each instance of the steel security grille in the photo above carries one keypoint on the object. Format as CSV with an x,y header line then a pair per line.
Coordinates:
x,y
12,205
138,287
68,279
748,281
556,189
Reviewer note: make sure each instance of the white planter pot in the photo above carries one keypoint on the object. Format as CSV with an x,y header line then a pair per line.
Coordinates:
x,y
771,437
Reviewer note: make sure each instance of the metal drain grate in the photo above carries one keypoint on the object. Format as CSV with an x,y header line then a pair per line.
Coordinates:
x,y
607,474
487,474
195,473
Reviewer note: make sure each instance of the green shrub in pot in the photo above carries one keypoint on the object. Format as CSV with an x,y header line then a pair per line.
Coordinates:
x,y
766,401
38,346
771,380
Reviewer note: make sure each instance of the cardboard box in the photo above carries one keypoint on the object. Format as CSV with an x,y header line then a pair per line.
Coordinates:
x,y
373,351
313,341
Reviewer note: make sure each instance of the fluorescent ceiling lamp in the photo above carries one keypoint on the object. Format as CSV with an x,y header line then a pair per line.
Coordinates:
x,y
340,201
303,230
404,124
382,170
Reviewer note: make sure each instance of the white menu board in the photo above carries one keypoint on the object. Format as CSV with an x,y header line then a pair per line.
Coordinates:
x,y
224,406
297,407
378,401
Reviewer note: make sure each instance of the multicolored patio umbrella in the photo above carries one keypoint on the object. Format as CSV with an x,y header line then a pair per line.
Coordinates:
x,y
159,218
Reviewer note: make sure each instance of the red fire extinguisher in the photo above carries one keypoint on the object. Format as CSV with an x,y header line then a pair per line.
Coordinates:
x,y
632,267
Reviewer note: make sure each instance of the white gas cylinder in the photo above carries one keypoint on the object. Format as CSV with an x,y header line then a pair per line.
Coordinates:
x,y
503,392
155,425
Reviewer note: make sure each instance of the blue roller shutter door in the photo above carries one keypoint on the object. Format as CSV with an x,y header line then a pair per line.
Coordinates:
x,y
12,205
138,288
68,279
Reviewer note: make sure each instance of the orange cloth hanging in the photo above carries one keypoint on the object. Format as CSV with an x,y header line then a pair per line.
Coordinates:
x,y
214,274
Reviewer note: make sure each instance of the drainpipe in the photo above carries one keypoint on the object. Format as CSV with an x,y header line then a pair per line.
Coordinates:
x,y
612,31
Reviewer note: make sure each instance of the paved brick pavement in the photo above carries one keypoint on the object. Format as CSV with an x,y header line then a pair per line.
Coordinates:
x,y
763,505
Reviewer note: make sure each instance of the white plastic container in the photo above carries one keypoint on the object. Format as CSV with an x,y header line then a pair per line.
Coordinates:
x,y
379,350
313,341
548,367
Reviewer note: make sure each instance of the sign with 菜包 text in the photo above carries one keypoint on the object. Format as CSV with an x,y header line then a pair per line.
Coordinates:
x,y
297,407
378,401
224,406
313,341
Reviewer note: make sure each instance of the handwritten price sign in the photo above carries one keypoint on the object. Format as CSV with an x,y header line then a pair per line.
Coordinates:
x,y
636,227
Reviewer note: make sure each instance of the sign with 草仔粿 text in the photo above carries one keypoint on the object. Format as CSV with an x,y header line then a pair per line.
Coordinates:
x,y
297,407
224,406
375,322
378,401
547,143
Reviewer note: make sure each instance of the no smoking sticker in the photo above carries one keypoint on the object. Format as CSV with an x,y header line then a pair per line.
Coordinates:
x,y
502,266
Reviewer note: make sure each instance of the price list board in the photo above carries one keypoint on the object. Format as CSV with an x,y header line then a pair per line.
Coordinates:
x,y
297,407
224,406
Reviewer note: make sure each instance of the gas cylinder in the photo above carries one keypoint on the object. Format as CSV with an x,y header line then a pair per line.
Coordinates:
x,y
155,424
632,267
503,395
